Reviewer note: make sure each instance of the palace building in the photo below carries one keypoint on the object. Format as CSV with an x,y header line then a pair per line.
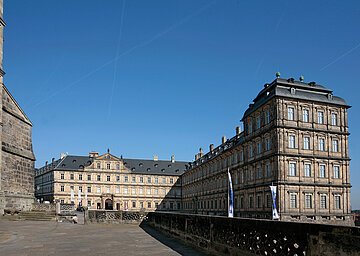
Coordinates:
x,y
16,154
296,138
112,183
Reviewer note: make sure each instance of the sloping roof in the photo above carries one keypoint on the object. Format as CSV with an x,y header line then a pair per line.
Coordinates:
x,y
143,166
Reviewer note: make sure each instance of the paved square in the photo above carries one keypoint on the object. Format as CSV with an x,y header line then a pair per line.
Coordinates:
x,y
22,238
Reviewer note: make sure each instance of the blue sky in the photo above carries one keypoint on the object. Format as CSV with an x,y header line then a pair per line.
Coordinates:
x,y
167,77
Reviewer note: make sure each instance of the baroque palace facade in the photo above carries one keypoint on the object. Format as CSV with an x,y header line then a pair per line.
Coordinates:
x,y
113,183
16,154
296,138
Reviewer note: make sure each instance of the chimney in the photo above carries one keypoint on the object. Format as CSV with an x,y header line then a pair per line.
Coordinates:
x,y
196,157
172,158
238,130
46,163
223,139
211,147
156,158
201,153
52,160
63,155
93,154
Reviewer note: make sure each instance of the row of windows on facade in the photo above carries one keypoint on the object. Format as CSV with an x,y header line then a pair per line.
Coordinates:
x,y
126,190
306,116
118,178
321,143
307,170
293,204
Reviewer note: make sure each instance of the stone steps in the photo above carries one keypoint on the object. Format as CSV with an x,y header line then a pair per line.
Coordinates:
x,y
37,216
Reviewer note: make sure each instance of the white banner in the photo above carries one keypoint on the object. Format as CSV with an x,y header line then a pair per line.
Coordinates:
x,y
275,214
230,197
72,196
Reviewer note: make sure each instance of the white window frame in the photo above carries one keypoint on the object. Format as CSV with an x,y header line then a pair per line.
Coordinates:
x,y
308,201
321,144
337,201
335,145
292,139
320,117
334,121
306,113
291,113
293,200
323,201
336,171
322,171
307,170
306,143
292,169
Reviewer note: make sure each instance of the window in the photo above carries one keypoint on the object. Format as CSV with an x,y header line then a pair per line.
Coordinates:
x,y
62,188
117,190
126,190
156,180
333,119
133,204
71,176
117,166
62,176
133,191
156,204
171,180
268,201
108,166
148,191
251,202
307,170
118,178
259,172
98,178
133,179
267,144
335,146
291,141
89,203
163,180
291,112
268,170
126,179
71,187
251,153
293,200
259,148
258,201
107,189
80,188
62,201
149,180
322,171
322,144
149,204
308,201
98,165
292,169
80,176
306,115
89,177
258,122
320,117
108,178
142,179
336,172
323,201
267,116
250,127
156,191
141,191
98,189
337,201
306,142
141,204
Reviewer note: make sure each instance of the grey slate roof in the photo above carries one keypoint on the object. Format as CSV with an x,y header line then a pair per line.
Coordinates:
x,y
282,88
143,166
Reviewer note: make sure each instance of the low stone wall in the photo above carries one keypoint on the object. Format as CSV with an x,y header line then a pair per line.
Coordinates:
x,y
108,216
239,236
43,207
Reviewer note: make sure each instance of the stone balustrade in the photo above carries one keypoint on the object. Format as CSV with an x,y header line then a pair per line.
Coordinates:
x,y
109,216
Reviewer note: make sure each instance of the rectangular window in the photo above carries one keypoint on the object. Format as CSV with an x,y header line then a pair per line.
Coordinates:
x,y
337,201
89,189
251,152
306,115
323,201
267,116
89,177
258,201
307,170
267,144
108,166
293,200
117,166
171,180
156,204
71,187
322,171
133,191
133,204
141,204
308,201
89,203
71,176
156,180
62,188
156,191
335,146
108,177
107,189
250,127
98,190
141,191
268,170
126,179
80,176
148,191
306,142
291,112
133,179
117,190
258,122
292,169
62,176
141,179
321,144
118,178
320,117
268,201
98,165
291,141
126,190
98,178
149,180
62,201
259,172
259,148
333,119
336,172
149,204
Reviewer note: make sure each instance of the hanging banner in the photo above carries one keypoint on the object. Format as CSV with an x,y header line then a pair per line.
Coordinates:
x,y
230,197
72,196
79,197
275,214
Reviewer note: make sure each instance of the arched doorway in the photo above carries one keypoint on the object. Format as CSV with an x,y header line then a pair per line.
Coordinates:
x,y
108,204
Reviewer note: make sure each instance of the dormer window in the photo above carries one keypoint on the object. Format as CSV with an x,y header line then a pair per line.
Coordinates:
x,y
292,90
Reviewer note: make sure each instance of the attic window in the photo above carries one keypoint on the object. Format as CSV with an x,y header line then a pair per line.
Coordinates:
x,y
63,165
125,163
133,169
141,164
163,170
88,162
169,165
292,90
156,165
148,169
74,160
330,96
177,170
81,166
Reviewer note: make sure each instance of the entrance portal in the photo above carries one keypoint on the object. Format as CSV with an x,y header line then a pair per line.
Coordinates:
x,y
108,204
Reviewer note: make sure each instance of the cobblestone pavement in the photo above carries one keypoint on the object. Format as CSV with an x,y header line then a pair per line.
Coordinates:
x,y
38,238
